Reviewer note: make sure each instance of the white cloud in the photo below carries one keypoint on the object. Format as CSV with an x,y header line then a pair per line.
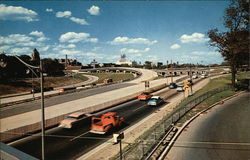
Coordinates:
x,y
205,53
175,46
73,37
151,58
94,10
79,21
71,46
4,48
70,52
125,50
37,33
15,39
49,10
60,47
23,44
17,13
43,49
23,50
41,39
63,14
195,37
40,36
126,40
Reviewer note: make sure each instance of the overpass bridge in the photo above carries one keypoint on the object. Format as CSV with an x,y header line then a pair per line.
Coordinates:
x,y
181,71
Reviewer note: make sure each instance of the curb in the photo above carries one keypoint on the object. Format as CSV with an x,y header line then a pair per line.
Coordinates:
x,y
171,143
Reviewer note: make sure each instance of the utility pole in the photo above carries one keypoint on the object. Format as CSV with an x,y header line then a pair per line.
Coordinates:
x,y
171,72
42,110
40,68
191,81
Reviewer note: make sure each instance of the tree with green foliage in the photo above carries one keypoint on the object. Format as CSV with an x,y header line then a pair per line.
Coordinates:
x,y
233,44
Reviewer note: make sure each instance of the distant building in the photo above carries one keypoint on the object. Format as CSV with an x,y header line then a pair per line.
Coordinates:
x,y
123,61
94,64
156,64
108,65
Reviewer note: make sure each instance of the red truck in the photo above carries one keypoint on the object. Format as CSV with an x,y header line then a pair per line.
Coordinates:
x,y
108,121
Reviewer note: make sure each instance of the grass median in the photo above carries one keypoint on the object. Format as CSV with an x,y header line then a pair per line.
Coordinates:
x,y
114,76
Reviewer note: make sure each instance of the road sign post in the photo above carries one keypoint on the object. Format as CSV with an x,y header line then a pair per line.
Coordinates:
x,y
118,139
146,84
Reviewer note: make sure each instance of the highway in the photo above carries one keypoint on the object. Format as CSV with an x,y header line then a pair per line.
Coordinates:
x,y
34,105
65,144
221,133
71,144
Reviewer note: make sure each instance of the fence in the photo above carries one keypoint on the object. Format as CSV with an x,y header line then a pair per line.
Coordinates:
x,y
145,143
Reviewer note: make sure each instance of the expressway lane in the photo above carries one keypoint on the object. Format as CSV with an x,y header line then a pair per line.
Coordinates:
x,y
222,132
69,144
34,105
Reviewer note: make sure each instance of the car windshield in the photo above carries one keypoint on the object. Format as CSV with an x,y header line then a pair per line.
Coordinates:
x,y
145,93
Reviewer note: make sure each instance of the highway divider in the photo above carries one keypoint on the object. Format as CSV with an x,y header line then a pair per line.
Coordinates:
x,y
62,91
24,131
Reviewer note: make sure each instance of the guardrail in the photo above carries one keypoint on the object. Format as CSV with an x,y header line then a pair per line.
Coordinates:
x,y
143,146
23,131
66,91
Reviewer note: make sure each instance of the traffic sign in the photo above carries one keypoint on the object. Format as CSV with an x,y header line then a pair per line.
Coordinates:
x,y
147,84
186,87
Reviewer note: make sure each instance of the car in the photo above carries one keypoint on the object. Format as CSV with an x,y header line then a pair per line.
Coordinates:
x,y
180,88
75,119
155,100
204,75
106,123
144,96
172,85
194,76
37,90
107,80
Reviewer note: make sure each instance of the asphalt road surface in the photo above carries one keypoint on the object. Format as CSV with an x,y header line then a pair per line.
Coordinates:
x,y
222,133
34,105
63,144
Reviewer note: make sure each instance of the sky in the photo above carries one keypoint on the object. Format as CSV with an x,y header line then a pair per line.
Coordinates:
x,y
157,31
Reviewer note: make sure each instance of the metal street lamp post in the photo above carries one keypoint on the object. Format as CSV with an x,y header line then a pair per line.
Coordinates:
x,y
40,69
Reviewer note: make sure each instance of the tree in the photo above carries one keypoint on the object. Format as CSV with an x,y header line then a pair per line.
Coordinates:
x,y
233,44
53,67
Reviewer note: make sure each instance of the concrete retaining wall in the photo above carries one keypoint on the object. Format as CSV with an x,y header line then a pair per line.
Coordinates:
x,y
33,128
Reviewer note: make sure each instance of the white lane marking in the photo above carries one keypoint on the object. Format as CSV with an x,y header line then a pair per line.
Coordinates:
x,y
139,108
78,136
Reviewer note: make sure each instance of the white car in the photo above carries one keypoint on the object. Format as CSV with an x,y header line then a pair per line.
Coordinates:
x,y
155,100
180,88
204,75
75,119
194,76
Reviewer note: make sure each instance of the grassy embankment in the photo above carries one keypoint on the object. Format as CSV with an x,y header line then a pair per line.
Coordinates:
x,y
114,76
213,84
25,85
